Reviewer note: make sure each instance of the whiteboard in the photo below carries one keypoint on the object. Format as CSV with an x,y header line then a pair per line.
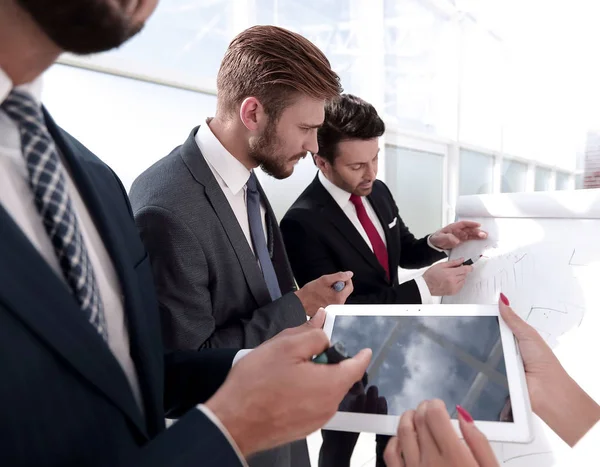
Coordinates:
x,y
543,253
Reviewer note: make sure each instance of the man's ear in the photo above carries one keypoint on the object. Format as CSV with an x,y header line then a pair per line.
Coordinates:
x,y
321,163
252,114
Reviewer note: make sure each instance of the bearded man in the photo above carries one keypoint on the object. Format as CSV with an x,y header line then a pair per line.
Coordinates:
x,y
220,266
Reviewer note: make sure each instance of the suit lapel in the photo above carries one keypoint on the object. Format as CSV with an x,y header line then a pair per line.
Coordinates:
x,y
340,221
43,303
193,158
91,193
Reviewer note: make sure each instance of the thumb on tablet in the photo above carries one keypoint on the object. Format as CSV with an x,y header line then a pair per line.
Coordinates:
x,y
354,368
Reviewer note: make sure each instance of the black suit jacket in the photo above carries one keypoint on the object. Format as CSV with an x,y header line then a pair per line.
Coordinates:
x,y
65,399
320,239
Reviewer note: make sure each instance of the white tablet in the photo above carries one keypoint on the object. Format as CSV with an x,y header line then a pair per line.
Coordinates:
x,y
462,354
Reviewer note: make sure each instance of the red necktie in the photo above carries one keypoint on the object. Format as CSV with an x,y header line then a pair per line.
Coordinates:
x,y
376,242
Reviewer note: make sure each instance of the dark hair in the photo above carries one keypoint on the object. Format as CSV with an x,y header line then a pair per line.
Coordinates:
x,y
347,117
275,66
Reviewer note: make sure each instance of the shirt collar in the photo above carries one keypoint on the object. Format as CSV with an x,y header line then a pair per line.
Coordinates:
x,y
233,172
6,85
10,141
341,197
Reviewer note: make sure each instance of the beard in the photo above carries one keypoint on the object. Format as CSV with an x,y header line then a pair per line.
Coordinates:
x,y
264,151
354,189
82,26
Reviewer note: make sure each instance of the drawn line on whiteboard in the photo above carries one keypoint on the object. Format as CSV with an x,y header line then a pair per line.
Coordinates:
x,y
526,455
571,263
544,308
525,254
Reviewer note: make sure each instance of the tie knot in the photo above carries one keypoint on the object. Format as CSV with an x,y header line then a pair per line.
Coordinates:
x,y
251,184
356,200
22,108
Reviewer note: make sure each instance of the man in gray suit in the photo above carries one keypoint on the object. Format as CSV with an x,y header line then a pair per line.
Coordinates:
x,y
220,267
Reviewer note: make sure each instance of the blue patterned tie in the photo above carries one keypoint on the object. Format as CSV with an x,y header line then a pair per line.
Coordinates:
x,y
47,181
257,233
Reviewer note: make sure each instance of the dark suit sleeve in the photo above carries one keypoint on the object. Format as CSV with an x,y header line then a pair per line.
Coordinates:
x,y
414,253
192,377
310,259
265,323
185,297
191,442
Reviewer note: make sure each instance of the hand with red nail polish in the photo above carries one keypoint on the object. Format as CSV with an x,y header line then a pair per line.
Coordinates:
x,y
426,438
555,397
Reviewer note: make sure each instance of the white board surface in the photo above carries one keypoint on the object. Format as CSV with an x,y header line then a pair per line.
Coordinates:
x,y
543,253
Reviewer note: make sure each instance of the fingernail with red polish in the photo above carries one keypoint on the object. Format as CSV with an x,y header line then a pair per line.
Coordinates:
x,y
466,416
504,299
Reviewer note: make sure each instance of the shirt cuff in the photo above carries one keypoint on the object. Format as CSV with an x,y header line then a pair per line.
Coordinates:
x,y
426,298
241,354
434,247
213,418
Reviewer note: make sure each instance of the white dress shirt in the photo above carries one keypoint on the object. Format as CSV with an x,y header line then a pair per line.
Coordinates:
x,y
342,198
17,198
231,176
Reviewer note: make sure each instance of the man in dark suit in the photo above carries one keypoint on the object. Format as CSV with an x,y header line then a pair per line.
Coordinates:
x,y
348,220
85,380
220,266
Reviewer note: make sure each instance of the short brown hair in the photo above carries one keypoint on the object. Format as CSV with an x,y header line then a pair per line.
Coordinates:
x,y
347,117
274,65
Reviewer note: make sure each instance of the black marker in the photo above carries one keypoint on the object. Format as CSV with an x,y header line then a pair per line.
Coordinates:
x,y
470,261
335,354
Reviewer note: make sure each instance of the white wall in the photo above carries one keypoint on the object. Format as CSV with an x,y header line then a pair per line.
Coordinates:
x,y
130,124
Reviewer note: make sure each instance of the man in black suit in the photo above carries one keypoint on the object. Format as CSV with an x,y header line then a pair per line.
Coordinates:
x,y
348,220
85,380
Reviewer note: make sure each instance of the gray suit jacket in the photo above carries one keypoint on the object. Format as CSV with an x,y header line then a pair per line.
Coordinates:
x,y
210,288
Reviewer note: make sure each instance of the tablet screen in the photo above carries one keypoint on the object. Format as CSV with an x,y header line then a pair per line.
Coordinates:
x,y
458,359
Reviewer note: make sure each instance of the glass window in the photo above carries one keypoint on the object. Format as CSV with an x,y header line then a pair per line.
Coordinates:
x,y
416,178
482,86
563,181
329,24
182,42
151,120
421,54
514,176
434,53
579,182
476,173
542,179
